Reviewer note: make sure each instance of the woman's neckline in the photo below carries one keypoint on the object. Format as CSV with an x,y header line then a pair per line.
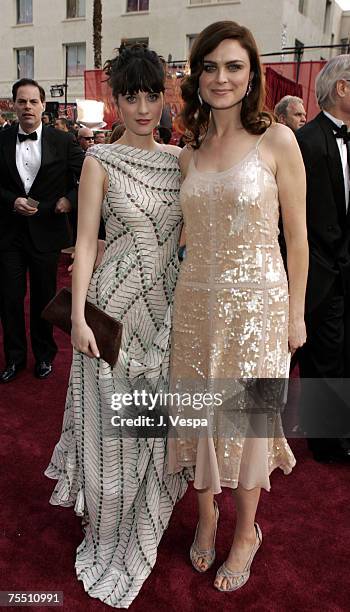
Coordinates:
x,y
253,150
117,144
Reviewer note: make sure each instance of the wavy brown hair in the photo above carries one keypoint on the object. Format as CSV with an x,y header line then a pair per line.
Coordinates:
x,y
195,116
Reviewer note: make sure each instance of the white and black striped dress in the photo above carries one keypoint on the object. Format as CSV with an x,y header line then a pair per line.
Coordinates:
x,y
120,484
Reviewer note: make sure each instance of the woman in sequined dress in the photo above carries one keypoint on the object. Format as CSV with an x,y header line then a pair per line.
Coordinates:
x,y
120,484
234,314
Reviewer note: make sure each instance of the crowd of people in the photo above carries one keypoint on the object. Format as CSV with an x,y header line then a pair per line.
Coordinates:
x,y
63,123
234,313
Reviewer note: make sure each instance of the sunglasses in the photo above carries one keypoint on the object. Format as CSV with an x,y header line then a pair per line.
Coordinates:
x,y
87,137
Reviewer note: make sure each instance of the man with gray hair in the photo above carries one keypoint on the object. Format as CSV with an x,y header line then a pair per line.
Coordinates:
x,y
325,358
291,112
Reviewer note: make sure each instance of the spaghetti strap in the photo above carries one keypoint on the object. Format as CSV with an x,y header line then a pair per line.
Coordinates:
x,y
260,138
191,163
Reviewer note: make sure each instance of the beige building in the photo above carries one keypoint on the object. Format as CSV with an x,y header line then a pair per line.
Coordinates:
x,y
47,39
345,32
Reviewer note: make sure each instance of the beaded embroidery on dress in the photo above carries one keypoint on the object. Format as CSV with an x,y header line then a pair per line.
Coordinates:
x,y
119,485
230,321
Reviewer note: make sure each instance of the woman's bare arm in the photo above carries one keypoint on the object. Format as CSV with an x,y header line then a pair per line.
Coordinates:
x,y
291,182
91,193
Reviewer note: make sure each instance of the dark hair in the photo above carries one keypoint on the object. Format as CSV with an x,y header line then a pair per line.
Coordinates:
x,y
195,116
64,121
135,69
117,132
22,83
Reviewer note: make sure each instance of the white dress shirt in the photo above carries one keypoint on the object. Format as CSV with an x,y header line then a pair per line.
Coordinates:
x,y
343,156
28,158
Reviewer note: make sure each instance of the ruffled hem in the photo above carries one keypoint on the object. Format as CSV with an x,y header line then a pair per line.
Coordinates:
x,y
250,466
107,563
123,583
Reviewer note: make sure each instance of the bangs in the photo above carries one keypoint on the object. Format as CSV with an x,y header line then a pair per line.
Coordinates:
x,y
141,75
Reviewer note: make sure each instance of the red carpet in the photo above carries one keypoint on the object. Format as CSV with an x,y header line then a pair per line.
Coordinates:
x,y
303,564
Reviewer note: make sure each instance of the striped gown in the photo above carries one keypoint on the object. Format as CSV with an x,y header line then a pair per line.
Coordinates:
x,y
120,485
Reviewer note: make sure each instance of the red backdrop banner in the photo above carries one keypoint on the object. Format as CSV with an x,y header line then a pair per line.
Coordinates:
x,y
96,88
278,86
306,78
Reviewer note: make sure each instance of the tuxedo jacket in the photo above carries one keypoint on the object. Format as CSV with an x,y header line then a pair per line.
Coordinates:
x,y
328,223
61,163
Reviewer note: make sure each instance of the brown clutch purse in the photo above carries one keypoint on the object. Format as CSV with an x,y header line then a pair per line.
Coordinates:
x,y
107,331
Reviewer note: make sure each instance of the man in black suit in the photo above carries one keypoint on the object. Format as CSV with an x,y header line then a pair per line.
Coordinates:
x,y
39,171
325,358
4,125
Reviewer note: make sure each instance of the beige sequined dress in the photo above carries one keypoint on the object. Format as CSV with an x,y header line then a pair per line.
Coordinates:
x,y
230,324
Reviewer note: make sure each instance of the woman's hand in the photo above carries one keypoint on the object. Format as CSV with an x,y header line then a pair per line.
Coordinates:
x,y
296,333
70,268
83,339
100,252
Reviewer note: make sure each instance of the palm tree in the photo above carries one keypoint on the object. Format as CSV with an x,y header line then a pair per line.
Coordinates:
x,y
97,33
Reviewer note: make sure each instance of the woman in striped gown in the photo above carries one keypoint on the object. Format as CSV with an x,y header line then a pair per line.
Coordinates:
x,y
118,483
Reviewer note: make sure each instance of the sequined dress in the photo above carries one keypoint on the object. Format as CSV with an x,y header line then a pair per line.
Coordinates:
x,y
230,323
120,485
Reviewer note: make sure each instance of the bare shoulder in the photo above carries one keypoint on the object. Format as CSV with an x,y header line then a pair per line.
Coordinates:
x,y
185,158
279,137
173,149
92,166
279,146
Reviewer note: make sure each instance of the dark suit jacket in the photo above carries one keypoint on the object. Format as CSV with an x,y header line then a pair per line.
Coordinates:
x,y
327,222
61,163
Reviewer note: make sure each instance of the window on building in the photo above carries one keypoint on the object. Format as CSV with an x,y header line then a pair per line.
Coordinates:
x,y
345,46
299,50
25,63
327,16
197,2
24,11
76,63
128,42
190,40
302,7
75,8
133,6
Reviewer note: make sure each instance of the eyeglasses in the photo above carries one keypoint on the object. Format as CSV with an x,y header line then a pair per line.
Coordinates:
x,y
87,137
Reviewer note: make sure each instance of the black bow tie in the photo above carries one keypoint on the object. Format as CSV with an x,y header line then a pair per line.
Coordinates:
x,y
342,132
23,137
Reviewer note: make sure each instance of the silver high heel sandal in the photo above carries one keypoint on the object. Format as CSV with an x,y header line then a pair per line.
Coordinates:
x,y
237,579
207,555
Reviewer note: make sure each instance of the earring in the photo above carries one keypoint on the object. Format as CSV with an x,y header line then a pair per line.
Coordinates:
x,y
199,97
249,89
